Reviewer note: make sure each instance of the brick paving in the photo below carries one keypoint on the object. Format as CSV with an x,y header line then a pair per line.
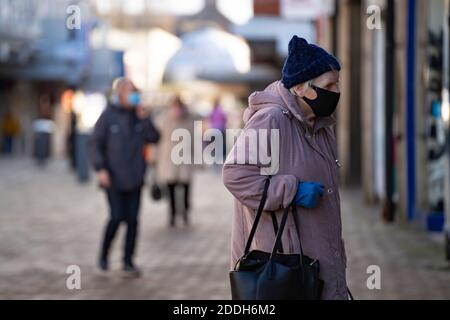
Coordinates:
x,y
49,221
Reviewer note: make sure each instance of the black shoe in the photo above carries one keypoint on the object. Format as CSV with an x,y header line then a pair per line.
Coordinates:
x,y
130,271
103,264
172,222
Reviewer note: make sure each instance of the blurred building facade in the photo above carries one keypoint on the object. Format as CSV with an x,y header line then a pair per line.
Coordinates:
x,y
394,114
43,53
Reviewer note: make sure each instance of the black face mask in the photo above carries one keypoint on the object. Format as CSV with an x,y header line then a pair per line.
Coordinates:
x,y
326,102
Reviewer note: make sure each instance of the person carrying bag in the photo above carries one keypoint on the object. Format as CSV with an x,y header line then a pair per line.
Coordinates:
x,y
293,120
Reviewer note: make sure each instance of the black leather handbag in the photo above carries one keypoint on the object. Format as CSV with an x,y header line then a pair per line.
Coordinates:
x,y
275,275
155,190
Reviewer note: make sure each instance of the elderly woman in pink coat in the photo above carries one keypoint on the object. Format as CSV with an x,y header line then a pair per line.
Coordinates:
x,y
303,165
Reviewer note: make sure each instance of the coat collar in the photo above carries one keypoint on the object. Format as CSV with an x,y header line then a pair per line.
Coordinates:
x,y
122,109
302,113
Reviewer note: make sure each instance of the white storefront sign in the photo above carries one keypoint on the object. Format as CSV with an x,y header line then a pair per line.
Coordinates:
x,y
306,9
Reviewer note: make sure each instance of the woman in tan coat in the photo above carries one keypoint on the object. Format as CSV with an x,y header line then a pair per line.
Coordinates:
x,y
299,108
173,175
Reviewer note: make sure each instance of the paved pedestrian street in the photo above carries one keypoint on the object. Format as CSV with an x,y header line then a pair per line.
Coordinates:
x,y
49,221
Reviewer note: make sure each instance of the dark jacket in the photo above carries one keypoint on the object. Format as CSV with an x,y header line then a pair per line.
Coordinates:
x,y
118,146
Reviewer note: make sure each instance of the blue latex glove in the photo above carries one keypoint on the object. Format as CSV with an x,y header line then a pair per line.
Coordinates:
x,y
308,194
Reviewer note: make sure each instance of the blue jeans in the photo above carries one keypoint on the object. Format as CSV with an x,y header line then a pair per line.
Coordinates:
x,y
7,144
124,207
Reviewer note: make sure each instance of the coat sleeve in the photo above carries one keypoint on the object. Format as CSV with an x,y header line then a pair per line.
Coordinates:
x,y
152,134
245,180
98,143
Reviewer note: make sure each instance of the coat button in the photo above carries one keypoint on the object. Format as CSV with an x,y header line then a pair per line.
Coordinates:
x,y
330,190
337,254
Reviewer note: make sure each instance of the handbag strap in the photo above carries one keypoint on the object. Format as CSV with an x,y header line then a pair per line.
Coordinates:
x,y
280,232
350,296
297,226
258,217
281,229
275,229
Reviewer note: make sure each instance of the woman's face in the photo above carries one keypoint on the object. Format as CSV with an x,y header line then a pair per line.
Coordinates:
x,y
328,81
175,110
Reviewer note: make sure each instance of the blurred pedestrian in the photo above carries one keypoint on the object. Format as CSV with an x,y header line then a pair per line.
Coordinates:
x,y
10,130
176,177
300,106
43,128
218,121
118,142
71,140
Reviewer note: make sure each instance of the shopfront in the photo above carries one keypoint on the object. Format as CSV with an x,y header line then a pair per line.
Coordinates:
x,y
445,114
433,155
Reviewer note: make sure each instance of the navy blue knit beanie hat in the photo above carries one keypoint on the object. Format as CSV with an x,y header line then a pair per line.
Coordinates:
x,y
305,62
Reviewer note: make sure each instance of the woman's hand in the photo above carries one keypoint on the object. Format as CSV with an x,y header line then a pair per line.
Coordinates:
x,y
308,194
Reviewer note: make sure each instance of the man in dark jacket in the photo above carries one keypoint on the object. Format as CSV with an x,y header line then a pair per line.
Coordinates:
x,y
118,143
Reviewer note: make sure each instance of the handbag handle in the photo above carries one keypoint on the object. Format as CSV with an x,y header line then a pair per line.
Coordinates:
x,y
278,230
275,229
281,229
258,217
297,226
